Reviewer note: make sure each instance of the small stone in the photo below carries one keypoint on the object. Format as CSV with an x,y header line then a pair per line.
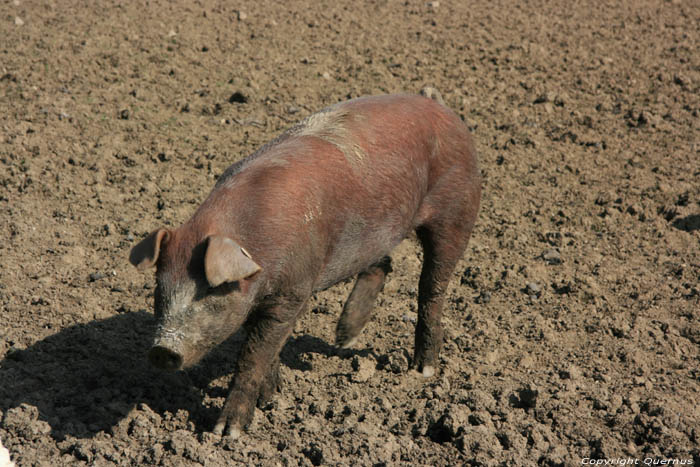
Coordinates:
x,y
533,288
551,256
5,457
409,318
96,276
19,21
434,5
242,16
326,75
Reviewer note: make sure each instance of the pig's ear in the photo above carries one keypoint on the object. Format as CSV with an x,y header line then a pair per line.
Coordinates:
x,y
227,261
145,254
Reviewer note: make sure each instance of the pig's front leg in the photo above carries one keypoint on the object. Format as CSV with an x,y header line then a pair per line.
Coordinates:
x,y
268,329
270,385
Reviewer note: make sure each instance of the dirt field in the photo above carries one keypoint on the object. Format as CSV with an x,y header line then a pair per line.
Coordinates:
x,y
573,325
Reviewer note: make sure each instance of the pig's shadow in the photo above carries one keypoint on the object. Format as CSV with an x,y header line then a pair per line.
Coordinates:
x,y
88,377
688,223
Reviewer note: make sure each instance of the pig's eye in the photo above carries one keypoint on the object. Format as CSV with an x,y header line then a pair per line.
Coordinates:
x,y
224,289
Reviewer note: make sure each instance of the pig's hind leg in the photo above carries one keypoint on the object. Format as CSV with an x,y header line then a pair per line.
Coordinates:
x,y
358,308
443,244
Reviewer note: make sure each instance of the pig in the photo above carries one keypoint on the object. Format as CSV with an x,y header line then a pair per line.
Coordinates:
x,y
324,202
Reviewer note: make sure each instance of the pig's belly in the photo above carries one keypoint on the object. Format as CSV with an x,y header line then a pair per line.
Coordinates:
x,y
358,247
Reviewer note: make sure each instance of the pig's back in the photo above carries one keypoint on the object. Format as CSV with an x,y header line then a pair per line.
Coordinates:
x,y
340,190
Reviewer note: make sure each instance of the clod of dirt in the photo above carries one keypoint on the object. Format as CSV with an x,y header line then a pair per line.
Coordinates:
x,y
546,97
637,119
479,443
682,81
238,98
570,372
82,450
182,443
24,420
449,426
510,439
483,298
364,369
525,398
395,361
314,453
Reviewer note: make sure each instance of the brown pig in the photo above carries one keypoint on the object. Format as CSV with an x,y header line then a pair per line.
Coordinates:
x,y
325,201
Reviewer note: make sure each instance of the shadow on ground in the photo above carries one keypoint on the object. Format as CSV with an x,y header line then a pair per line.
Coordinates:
x,y
687,223
88,377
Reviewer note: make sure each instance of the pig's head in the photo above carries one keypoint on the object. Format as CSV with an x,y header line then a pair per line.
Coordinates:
x,y
203,293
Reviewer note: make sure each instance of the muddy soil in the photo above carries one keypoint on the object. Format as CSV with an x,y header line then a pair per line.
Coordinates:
x,y
573,327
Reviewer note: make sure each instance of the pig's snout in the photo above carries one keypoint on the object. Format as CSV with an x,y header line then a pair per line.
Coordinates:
x,y
164,358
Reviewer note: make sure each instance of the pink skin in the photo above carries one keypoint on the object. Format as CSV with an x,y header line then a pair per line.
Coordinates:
x,y
326,201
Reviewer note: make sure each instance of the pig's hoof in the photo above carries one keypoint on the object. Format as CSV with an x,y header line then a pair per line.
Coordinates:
x,y
233,432
219,428
348,344
428,371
